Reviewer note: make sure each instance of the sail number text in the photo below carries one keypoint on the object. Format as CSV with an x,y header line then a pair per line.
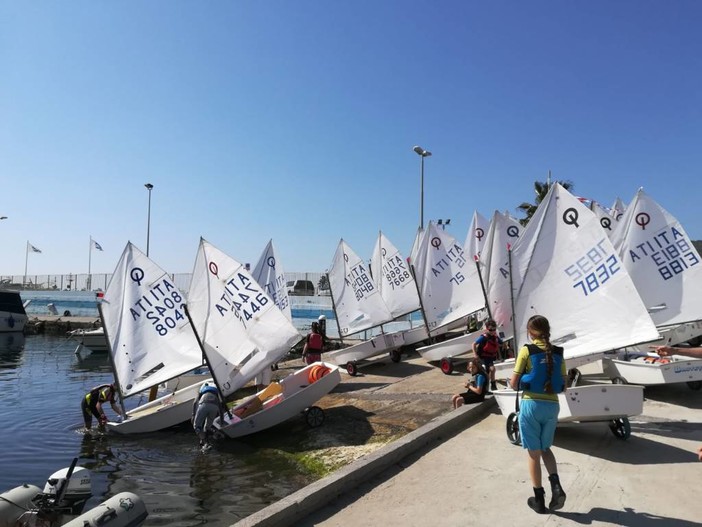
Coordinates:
x,y
243,296
395,271
669,250
162,304
593,269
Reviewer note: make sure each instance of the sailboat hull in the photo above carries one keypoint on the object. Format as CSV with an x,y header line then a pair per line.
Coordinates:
x,y
159,414
375,346
638,371
297,395
595,402
461,346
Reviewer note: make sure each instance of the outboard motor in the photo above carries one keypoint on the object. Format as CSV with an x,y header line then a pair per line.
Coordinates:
x,y
52,309
65,493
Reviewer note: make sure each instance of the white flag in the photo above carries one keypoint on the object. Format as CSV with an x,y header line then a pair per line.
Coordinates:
x,y
97,245
34,249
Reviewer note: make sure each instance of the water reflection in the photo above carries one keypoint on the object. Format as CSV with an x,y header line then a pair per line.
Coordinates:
x,y
11,347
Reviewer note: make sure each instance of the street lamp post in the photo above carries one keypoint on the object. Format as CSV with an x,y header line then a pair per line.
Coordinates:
x,y
148,186
422,153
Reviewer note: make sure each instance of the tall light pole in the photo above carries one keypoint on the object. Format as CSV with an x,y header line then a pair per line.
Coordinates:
x,y
422,153
148,186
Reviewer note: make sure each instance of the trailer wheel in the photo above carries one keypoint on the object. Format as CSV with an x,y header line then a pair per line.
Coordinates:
x,y
446,365
621,428
314,416
619,380
395,355
513,429
351,369
694,385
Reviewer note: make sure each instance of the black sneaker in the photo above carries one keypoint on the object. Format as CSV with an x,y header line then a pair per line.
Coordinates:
x,y
493,386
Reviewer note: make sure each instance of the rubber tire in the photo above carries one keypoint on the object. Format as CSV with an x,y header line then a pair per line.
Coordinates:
x,y
619,380
446,365
314,416
513,429
395,355
694,385
351,369
621,428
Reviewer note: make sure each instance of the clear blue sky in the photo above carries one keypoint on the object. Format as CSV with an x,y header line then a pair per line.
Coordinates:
x,y
295,120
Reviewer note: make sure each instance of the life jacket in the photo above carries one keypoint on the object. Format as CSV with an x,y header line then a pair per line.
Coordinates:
x,y
489,346
314,342
104,394
535,380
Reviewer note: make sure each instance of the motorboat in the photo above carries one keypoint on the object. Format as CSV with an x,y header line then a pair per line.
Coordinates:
x,y
93,339
13,316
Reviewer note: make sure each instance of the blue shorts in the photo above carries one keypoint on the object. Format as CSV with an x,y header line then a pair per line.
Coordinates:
x,y
537,423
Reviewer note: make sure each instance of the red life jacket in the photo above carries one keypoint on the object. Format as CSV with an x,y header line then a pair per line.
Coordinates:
x,y
314,342
489,347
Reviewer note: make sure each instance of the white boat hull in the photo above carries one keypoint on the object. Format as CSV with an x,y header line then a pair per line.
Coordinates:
x,y
461,346
297,395
638,371
594,402
375,346
159,414
93,339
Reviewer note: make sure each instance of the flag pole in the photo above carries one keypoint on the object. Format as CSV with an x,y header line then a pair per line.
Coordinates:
x,y
90,254
26,259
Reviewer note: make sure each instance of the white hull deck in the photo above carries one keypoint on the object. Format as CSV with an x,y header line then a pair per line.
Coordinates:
x,y
378,345
159,414
461,346
297,395
93,339
594,402
637,370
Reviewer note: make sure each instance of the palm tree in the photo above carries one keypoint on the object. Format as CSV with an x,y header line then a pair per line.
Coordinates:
x,y
541,189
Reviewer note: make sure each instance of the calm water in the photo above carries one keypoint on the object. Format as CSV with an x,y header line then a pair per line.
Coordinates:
x,y
41,385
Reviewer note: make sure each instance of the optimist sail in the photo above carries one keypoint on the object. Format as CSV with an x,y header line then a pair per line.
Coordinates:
x,y
494,261
358,302
393,278
241,329
664,264
477,235
448,283
270,275
566,269
605,218
151,340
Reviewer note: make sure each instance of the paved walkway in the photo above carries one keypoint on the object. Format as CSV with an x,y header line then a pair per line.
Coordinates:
x,y
476,477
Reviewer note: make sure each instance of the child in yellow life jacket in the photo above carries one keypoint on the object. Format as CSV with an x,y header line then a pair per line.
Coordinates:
x,y
91,404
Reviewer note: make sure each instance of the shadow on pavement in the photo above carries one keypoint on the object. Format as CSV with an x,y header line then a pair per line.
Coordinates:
x,y
627,518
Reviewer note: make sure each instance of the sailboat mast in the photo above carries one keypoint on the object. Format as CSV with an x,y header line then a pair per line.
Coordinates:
x,y
336,317
511,299
207,360
112,359
421,303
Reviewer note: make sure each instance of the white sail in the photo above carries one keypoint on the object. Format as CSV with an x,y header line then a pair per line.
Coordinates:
x,y
448,282
151,340
606,220
494,264
241,329
566,269
392,276
662,261
270,275
477,233
357,300
416,244
618,209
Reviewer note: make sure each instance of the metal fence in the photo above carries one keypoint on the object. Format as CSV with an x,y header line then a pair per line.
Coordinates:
x,y
95,281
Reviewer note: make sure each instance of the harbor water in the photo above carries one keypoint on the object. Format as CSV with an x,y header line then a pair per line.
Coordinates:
x,y
42,382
